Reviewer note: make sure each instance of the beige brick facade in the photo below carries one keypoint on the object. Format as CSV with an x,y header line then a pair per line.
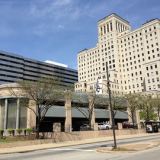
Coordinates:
x,y
133,57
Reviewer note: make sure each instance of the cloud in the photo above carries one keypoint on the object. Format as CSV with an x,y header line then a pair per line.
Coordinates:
x,y
60,26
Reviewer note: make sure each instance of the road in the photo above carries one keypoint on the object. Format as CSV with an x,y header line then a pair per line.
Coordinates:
x,y
87,152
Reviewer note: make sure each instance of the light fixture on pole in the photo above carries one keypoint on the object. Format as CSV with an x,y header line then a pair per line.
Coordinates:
x,y
109,92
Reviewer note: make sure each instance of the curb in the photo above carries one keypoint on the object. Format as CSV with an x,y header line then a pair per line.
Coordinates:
x,y
62,144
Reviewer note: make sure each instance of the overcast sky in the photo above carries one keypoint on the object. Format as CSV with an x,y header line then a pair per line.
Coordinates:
x,y
57,30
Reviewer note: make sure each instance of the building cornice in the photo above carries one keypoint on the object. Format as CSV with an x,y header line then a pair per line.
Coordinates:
x,y
113,15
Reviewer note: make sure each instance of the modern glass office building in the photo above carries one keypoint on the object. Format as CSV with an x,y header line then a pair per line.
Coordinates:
x,y
14,67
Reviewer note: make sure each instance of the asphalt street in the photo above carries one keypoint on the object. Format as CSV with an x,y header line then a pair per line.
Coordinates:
x,y
87,152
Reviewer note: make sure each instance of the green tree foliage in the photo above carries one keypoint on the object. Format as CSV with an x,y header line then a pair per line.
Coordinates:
x,y
152,115
133,103
44,93
147,107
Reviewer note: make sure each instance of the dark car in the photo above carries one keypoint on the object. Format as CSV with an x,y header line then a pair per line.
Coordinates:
x,y
85,127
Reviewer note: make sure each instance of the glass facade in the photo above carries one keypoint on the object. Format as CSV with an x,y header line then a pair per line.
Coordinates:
x,y
2,113
14,116
12,113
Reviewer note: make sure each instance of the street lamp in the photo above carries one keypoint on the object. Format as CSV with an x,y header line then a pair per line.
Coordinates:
x,y
109,91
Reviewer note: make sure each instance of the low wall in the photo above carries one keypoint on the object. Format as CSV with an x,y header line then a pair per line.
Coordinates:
x,y
81,135
72,136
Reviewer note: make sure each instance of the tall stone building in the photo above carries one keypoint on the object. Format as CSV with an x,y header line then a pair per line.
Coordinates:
x,y
133,57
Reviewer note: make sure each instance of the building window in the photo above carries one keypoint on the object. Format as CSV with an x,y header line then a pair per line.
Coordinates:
x,y
149,87
148,80
152,79
154,86
157,79
152,73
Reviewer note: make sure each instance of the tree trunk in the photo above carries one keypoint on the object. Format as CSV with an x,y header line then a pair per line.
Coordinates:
x,y
133,119
37,131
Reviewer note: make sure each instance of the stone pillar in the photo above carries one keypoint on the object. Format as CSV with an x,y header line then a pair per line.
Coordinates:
x,y
31,117
119,125
5,113
56,127
68,120
106,28
91,107
138,119
103,29
120,27
109,26
114,25
17,118
96,127
99,29
129,115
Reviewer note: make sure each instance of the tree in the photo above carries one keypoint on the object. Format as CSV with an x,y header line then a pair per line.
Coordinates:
x,y
118,103
44,94
147,105
132,104
156,102
85,102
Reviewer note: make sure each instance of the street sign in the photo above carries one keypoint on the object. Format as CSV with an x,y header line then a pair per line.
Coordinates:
x,y
98,86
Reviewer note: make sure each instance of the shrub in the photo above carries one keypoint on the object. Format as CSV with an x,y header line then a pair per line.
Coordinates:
x,y
19,131
29,130
1,132
10,131
3,138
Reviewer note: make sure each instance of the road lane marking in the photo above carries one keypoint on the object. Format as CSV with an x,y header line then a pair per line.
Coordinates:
x,y
70,149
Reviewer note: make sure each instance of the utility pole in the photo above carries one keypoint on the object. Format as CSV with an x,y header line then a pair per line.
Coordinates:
x,y
109,91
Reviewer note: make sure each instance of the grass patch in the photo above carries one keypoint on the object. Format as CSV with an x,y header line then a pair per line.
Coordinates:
x,y
119,149
8,140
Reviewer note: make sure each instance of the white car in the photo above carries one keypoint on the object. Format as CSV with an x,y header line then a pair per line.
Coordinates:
x,y
104,125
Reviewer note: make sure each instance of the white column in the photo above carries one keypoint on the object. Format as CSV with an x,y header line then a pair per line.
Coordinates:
x,y
120,27
17,118
117,26
5,113
109,26
103,30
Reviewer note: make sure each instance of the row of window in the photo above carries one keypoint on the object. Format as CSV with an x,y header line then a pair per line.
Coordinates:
x,y
153,80
136,35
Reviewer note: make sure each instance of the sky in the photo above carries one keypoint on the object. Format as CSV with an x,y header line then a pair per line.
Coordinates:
x,y
57,30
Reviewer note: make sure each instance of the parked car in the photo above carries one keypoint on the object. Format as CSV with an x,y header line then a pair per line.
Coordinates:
x,y
85,127
127,125
104,125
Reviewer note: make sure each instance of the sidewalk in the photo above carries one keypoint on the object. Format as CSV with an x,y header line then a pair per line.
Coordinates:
x,y
69,143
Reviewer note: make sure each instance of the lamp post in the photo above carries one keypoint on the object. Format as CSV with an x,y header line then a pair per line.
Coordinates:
x,y
109,91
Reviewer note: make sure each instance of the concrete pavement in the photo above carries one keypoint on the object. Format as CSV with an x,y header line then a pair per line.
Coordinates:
x,y
69,143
